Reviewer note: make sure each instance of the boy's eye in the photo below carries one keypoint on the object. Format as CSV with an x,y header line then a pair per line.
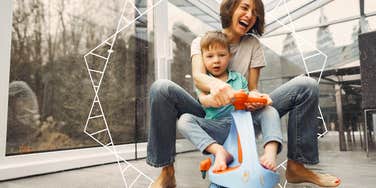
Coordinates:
x,y
209,56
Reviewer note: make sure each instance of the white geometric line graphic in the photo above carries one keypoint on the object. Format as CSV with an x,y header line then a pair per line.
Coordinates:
x,y
300,41
96,72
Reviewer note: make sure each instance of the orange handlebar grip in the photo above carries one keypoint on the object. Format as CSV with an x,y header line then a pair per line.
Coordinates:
x,y
241,97
257,100
204,167
205,164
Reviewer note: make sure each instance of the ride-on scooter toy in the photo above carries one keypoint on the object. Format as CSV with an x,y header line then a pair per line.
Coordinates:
x,y
245,171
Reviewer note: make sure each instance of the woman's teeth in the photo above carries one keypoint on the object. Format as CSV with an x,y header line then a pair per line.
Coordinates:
x,y
244,24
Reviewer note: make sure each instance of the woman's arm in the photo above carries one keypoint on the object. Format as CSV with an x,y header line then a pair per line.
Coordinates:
x,y
201,80
221,92
253,79
206,100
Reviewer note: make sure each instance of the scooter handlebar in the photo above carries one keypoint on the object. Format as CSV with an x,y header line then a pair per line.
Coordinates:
x,y
240,98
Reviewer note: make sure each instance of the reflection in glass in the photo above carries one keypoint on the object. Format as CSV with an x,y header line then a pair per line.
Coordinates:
x,y
50,89
184,27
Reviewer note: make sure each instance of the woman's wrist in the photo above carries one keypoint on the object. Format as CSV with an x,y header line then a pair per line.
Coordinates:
x,y
254,91
217,85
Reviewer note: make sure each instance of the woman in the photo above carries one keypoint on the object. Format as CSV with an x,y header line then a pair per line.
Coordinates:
x,y
299,97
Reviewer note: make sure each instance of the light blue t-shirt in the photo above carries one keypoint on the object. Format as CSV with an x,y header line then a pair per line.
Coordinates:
x,y
237,82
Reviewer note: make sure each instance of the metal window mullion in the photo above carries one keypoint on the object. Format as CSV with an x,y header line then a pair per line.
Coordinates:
x,y
5,38
161,41
334,22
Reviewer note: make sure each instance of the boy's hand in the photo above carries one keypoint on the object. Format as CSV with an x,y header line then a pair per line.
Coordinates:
x,y
221,93
256,106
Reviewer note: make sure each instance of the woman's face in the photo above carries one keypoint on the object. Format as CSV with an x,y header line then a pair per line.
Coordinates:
x,y
243,18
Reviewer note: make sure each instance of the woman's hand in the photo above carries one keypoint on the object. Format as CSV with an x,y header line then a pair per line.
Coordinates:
x,y
221,93
256,106
207,100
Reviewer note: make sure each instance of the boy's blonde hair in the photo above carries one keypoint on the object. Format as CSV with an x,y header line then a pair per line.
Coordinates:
x,y
212,39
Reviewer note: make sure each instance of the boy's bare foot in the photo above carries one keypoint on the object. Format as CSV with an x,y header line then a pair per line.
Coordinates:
x,y
268,160
297,173
166,179
222,158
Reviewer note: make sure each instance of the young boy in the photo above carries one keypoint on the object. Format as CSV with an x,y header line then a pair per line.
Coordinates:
x,y
209,133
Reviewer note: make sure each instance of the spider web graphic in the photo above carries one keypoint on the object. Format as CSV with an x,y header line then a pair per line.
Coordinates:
x,y
96,126
307,61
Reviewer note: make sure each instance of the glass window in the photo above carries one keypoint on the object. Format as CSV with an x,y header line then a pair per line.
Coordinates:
x,y
371,23
274,43
339,43
334,10
51,90
186,22
184,26
369,6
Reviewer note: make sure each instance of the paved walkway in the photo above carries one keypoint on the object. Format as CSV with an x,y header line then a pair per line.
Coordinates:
x,y
353,167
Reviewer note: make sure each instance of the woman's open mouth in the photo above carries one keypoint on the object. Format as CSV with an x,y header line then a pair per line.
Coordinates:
x,y
244,24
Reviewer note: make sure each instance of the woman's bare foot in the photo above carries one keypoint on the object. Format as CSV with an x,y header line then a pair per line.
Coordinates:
x,y
222,158
166,179
297,173
268,160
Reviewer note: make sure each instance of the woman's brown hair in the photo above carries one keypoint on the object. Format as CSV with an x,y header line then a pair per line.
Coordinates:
x,y
228,8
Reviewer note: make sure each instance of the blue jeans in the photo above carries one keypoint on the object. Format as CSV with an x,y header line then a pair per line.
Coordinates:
x,y
300,98
202,132
168,102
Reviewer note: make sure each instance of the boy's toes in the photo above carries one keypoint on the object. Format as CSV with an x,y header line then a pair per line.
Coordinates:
x,y
222,167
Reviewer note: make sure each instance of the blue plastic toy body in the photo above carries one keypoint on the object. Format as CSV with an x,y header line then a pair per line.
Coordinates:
x,y
249,173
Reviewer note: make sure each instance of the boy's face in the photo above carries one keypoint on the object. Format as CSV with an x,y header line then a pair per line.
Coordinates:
x,y
216,59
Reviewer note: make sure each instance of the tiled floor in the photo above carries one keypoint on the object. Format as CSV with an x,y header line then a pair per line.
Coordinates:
x,y
354,168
